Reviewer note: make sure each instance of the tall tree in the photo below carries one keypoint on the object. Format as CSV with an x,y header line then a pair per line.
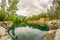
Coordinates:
x,y
8,10
58,8
54,11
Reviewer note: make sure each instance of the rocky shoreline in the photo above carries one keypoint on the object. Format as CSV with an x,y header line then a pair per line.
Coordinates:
x,y
52,34
4,27
54,30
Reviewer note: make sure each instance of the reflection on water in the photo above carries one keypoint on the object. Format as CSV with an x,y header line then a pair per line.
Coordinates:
x,y
43,28
27,33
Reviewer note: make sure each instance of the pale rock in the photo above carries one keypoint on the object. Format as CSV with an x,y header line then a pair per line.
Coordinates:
x,y
50,35
4,34
57,36
6,24
53,24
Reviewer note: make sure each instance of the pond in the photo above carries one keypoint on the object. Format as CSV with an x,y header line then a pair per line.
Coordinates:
x,y
24,31
43,28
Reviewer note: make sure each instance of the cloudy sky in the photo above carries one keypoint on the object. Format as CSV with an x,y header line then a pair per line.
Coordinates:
x,y
32,7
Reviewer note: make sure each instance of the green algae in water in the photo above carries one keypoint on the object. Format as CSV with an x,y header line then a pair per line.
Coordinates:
x,y
40,36
43,28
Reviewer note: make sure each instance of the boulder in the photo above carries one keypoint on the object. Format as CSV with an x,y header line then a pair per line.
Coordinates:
x,y
53,24
4,34
6,24
57,36
4,28
50,35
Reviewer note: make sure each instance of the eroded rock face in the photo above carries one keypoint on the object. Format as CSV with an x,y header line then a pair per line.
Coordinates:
x,y
54,24
4,28
57,36
6,24
50,35
54,32
4,34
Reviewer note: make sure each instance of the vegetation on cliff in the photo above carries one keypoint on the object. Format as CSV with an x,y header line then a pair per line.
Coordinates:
x,y
9,14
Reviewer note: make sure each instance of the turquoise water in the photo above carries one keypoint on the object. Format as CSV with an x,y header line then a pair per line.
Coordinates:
x,y
43,28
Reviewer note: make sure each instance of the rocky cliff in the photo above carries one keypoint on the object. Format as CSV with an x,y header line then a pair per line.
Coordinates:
x,y
54,30
4,27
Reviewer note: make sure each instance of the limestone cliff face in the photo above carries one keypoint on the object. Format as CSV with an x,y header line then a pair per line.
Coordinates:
x,y
6,24
50,35
54,32
4,34
53,24
57,36
4,27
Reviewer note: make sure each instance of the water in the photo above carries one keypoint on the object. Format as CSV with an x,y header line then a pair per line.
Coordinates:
x,y
43,28
27,33
24,31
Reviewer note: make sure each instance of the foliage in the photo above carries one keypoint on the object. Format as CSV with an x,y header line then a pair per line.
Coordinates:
x,y
13,7
57,11
3,15
36,17
9,13
54,12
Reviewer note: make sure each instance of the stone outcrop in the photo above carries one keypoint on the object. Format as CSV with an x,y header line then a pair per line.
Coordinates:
x,y
4,34
4,27
6,24
54,24
50,35
57,36
54,33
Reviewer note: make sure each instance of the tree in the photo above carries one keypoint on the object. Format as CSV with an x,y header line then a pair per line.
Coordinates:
x,y
6,11
57,11
54,12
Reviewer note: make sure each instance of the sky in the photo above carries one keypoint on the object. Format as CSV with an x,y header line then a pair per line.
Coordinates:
x,y
33,7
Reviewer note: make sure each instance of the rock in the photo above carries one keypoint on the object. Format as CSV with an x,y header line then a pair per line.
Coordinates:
x,y
50,35
4,34
57,36
6,24
28,33
54,24
4,28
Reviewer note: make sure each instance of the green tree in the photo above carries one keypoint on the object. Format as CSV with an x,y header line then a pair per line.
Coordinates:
x,y
54,12
5,12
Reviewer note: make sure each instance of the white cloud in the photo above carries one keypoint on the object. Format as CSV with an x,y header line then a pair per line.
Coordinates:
x,y
32,7
0,1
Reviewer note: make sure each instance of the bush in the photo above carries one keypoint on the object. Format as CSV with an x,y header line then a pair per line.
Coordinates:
x,y
3,15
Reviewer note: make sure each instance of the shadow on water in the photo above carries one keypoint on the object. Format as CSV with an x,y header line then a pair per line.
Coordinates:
x,y
36,26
